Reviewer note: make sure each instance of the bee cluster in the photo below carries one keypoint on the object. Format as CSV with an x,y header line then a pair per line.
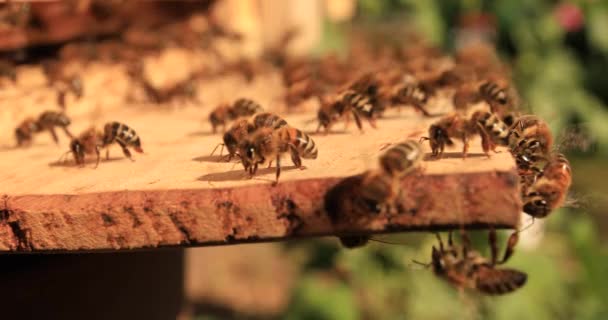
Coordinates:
x,y
364,86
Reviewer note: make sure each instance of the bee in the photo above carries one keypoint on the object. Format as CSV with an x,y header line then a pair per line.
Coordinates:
x,y
412,94
375,191
48,120
88,143
266,144
548,191
123,135
468,269
225,112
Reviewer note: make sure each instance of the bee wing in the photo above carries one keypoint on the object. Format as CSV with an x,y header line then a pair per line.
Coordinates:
x,y
494,281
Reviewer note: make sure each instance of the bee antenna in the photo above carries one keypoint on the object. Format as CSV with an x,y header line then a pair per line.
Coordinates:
x,y
221,150
385,242
422,139
63,156
425,265
528,226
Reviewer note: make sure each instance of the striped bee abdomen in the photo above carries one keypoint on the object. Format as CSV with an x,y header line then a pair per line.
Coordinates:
x,y
116,131
302,142
268,120
362,104
245,107
401,158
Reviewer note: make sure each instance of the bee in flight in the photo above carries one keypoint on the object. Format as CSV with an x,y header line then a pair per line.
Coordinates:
x,y
465,268
373,192
548,190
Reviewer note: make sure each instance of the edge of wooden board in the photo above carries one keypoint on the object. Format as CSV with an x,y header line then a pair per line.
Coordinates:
x,y
197,217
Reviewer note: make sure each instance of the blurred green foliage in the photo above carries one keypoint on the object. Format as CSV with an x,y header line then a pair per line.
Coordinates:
x,y
561,75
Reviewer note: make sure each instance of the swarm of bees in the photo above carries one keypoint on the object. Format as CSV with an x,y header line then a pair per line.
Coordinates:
x,y
484,106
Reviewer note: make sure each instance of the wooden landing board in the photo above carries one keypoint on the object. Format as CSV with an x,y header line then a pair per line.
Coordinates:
x,y
177,194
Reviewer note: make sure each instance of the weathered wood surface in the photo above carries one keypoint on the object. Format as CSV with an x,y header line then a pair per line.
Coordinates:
x,y
176,194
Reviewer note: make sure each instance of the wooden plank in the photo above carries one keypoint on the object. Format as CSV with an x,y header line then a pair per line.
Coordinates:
x,y
176,194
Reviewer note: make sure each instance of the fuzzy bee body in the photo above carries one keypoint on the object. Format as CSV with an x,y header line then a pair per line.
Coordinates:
x,y
123,135
401,158
47,121
267,144
224,113
467,269
548,191
88,143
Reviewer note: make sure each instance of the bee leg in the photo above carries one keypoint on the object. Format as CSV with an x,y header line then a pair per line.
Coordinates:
x,y
278,170
107,153
68,133
466,243
125,150
493,245
346,122
358,121
465,146
441,247
54,135
486,142
420,108
269,163
513,239
98,156
372,122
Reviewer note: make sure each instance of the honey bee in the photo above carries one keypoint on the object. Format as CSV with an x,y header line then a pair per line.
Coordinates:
x,y
88,143
412,94
123,135
375,191
48,120
548,191
468,269
448,127
225,112
266,144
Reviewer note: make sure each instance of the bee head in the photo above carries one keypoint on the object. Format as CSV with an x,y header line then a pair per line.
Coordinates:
x,y
249,155
537,206
77,151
